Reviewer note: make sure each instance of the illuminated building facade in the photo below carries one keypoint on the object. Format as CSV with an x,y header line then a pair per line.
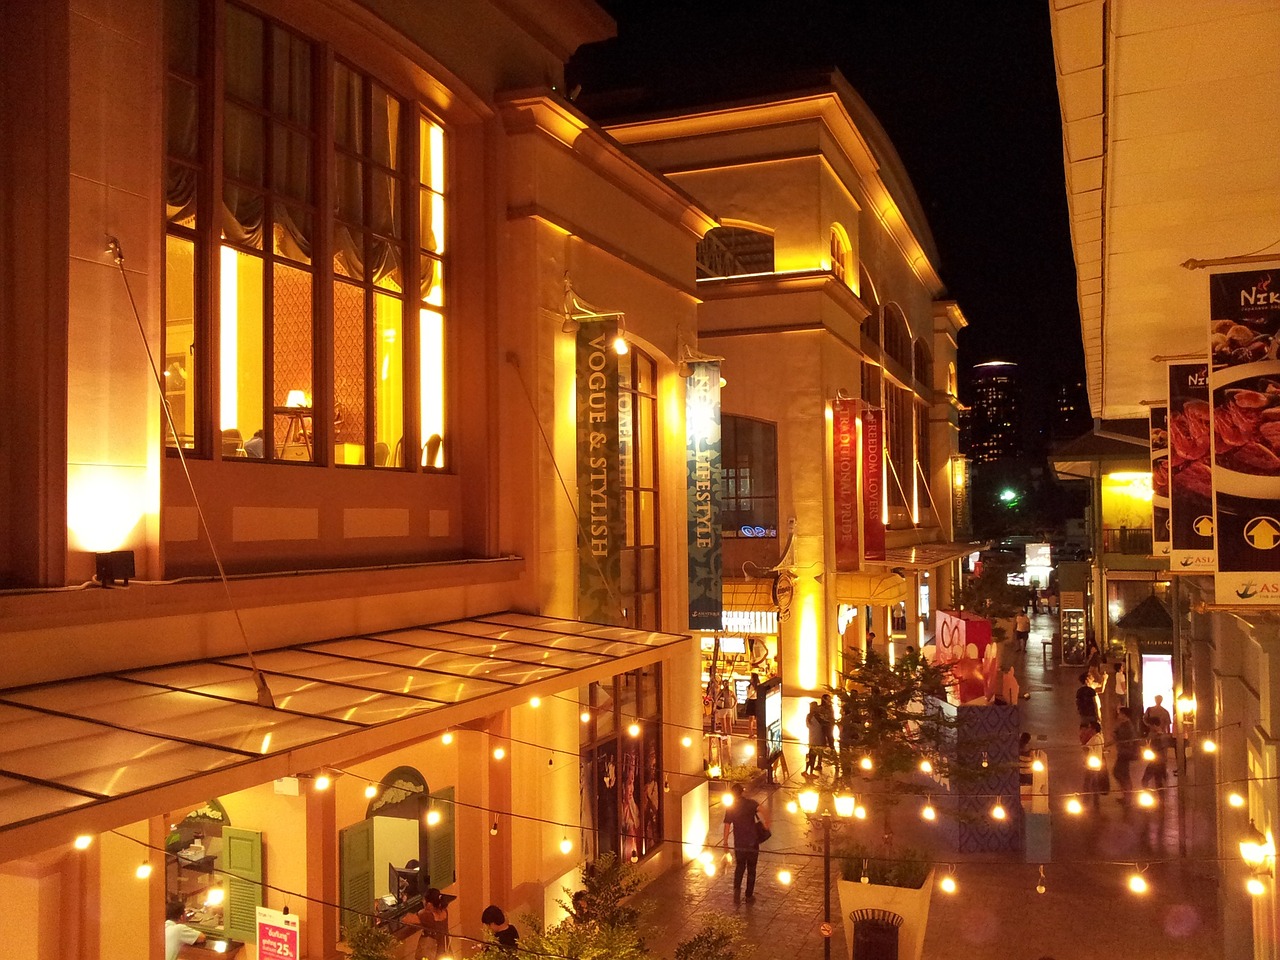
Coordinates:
x,y
995,417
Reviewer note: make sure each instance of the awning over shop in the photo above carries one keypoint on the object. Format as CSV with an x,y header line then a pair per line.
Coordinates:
x,y
111,749
749,606
926,556
878,588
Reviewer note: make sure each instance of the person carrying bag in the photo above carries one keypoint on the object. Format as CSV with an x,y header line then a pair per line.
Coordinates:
x,y
750,829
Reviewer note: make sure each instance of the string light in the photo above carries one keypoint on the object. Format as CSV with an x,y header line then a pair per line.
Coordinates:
x,y
860,812
493,830
634,729
446,738
1208,746
1040,884
83,841
998,811
1094,762
499,753
535,702
686,741
585,717
1074,806
784,877
666,784
433,817
143,871
863,878
926,766
749,750
1138,883
1146,799
1037,765
866,763
1148,754
1255,886
551,761
566,845
948,883
927,812
1235,800
322,782
635,856
985,762
370,791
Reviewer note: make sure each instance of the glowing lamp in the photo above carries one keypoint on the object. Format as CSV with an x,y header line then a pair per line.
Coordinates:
x,y
499,753
370,791
1253,853
749,750
948,884
998,811
726,798
1208,746
1255,886
215,897
1148,754
1037,766
566,845
620,345
860,812
686,741
535,702
1146,799
143,871
1137,883
322,782
928,813
784,877
926,766
433,817
845,804
585,717
1094,763
446,739
792,806
865,763
1235,800
634,730
809,801
83,841
1075,807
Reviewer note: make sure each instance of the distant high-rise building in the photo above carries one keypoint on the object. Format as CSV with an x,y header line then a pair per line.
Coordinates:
x,y
995,421
1071,416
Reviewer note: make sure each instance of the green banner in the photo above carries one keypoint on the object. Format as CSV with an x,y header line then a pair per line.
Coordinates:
x,y
702,457
600,520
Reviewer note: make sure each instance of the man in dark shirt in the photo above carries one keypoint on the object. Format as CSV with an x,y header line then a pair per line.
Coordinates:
x,y
506,935
741,816
1086,701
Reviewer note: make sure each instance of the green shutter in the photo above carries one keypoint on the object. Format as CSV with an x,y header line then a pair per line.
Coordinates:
x,y
440,841
242,861
355,878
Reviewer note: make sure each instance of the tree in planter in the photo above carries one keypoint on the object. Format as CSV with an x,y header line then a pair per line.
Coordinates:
x,y
890,726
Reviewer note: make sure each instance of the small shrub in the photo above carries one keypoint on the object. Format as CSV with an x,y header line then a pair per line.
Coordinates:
x,y
909,869
717,940
368,942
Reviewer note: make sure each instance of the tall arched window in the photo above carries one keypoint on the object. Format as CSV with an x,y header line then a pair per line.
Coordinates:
x,y
637,460
922,363
897,338
733,252
841,251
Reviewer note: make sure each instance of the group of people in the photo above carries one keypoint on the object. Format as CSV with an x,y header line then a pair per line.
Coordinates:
x,y
820,724
1133,738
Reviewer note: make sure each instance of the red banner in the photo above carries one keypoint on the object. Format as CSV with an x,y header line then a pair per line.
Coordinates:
x,y
873,484
844,469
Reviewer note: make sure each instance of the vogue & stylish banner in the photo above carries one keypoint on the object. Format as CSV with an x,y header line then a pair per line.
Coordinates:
x,y
600,521
844,470
1244,389
1190,468
873,483
703,487
1158,432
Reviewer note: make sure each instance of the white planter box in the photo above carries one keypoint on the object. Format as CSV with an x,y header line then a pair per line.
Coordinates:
x,y
911,905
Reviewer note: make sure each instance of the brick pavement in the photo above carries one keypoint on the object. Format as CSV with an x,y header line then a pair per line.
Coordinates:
x,y
1086,913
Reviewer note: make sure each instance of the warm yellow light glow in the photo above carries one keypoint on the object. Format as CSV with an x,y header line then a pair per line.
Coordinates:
x,y
928,813
633,730
1146,799
714,771
435,135
431,376
1037,766
1255,886
371,791
726,798
433,817
535,702
499,753
784,877
808,645
83,841
299,398
215,897
709,869
143,871
620,346
749,750
1094,762
1148,754
809,801
105,503
948,884
1074,806
1186,705
229,304
926,766
1208,746
866,763
1235,800
705,856
860,812
1137,883
686,741
446,738
998,812
1253,853
585,717
266,742
792,806
566,845
845,803
322,782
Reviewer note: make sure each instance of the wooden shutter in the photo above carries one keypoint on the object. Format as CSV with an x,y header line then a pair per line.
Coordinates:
x,y
355,878
440,840
242,860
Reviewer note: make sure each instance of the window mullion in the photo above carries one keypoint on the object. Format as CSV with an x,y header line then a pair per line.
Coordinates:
x,y
322,277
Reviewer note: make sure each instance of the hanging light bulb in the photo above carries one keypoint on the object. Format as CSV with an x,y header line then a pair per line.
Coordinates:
x,y
1255,886
535,702
1037,765
686,741
866,763
143,871
499,753
749,750
493,830
726,798
1235,800
998,811
433,817
1146,799
792,806
566,845
371,791
1138,883
1148,754
620,344
83,841
551,761
1208,746
322,782
927,812
1094,762
634,730
585,716
863,878
1040,885
948,884
446,738
635,856
666,784
985,762
926,766
1074,806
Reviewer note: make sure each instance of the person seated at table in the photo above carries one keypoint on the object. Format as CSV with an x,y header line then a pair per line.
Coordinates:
x,y
176,933
253,447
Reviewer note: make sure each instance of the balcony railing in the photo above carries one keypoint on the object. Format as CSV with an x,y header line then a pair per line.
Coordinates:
x,y
1133,541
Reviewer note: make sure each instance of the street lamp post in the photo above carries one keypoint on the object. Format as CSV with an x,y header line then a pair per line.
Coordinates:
x,y
845,807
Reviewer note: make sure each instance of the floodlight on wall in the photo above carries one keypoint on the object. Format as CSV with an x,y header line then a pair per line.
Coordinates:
x,y
113,566
575,310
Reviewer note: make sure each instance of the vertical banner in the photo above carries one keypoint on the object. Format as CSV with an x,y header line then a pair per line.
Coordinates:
x,y
961,523
1190,469
1244,389
844,470
1158,433
600,521
873,483
703,487
277,934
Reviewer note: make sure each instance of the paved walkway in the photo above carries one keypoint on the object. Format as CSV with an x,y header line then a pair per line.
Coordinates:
x,y
1086,913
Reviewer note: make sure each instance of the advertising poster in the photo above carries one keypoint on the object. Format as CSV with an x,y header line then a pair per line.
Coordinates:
x,y
1158,433
768,707
1190,468
600,519
1244,385
703,487
844,470
873,483
277,935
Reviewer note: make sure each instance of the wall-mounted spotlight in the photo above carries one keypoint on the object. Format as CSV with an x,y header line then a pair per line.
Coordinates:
x,y
110,567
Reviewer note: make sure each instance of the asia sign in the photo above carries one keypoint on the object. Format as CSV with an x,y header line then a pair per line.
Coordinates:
x,y
277,935
873,483
600,520
1158,433
1244,385
703,488
844,469
1189,468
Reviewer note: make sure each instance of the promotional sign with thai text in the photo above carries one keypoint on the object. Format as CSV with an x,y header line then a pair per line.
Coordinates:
x,y
277,935
873,483
1190,469
600,523
844,469
1244,386
1159,436
703,488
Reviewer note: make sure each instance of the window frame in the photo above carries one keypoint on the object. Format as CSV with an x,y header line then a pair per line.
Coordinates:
x,y
730,427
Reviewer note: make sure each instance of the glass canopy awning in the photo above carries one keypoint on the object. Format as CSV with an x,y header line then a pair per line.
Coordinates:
x,y
74,747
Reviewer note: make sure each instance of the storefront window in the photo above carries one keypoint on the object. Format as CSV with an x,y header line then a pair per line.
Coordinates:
x,y
215,871
750,460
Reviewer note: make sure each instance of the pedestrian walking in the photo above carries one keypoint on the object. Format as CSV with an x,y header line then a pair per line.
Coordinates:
x,y
1157,716
1086,701
726,705
744,816
1156,772
1127,743
1021,630
1120,685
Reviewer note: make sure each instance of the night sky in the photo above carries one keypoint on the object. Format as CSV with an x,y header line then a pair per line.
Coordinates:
x,y
965,91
